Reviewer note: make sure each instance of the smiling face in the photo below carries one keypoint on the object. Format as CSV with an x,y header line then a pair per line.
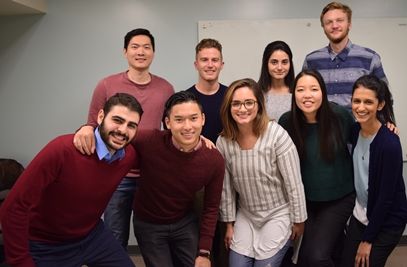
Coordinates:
x,y
209,63
279,65
185,121
118,127
308,96
336,25
365,105
244,106
139,52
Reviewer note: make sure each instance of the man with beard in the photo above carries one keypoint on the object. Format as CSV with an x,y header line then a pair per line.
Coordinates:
x,y
341,63
51,217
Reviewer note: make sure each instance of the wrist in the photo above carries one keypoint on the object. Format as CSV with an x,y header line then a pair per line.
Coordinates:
x,y
204,253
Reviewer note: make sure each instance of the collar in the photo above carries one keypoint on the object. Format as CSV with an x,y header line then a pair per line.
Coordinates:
x,y
104,153
341,55
177,146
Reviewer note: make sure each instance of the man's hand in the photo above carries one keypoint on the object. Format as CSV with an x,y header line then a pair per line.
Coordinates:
x,y
84,140
297,230
363,254
202,262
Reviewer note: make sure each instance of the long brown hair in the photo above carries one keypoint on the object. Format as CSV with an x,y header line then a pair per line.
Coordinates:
x,y
230,129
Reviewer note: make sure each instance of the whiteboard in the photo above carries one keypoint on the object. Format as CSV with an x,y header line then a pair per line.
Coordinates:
x,y
243,43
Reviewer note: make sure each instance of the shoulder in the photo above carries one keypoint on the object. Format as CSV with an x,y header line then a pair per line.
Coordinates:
x,y
114,77
192,89
318,53
222,87
388,138
213,156
283,121
357,49
163,83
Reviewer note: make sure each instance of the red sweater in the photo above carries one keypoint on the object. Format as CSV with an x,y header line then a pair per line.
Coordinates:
x,y
171,178
59,197
151,96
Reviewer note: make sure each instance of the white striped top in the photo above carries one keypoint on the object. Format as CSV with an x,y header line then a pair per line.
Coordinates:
x,y
266,178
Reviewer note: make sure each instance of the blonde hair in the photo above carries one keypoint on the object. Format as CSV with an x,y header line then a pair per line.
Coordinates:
x,y
336,5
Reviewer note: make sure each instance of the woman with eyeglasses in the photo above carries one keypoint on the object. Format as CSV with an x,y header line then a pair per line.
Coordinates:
x,y
263,200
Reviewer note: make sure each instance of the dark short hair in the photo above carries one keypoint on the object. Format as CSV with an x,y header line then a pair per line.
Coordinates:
x,y
123,99
179,98
135,32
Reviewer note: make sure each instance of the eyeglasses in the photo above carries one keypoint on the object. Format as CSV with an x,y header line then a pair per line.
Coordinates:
x,y
248,104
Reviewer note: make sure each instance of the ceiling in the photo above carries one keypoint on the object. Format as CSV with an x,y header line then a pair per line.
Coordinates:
x,y
21,7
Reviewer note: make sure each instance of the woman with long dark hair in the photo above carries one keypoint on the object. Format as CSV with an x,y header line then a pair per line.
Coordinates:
x,y
380,213
320,131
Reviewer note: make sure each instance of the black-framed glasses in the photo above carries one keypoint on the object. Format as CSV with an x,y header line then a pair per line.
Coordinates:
x,y
248,104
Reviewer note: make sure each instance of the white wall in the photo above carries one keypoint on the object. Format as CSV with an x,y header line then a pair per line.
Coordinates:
x,y
50,64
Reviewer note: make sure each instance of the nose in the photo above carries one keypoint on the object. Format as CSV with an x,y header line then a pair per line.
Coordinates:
x,y
122,128
140,50
187,124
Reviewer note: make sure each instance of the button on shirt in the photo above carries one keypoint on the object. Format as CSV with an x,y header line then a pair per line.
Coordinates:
x,y
103,152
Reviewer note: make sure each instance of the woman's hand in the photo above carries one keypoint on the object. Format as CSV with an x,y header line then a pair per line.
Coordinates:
x,y
229,234
363,254
208,143
297,230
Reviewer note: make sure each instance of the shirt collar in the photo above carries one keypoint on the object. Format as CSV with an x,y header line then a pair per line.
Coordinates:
x,y
102,151
177,146
343,54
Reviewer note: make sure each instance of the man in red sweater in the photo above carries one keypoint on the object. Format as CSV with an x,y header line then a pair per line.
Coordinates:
x,y
52,215
176,164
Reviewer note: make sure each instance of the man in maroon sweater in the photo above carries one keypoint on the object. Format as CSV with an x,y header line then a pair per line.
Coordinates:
x,y
175,164
52,215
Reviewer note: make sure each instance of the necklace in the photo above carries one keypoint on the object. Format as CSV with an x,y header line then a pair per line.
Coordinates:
x,y
363,156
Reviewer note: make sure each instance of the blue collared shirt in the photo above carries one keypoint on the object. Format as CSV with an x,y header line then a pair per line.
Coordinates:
x,y
340,71
103,152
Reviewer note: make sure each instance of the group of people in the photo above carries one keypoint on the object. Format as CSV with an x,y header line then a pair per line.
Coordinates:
x,y
291,168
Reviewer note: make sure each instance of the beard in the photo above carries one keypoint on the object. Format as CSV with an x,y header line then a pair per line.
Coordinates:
x,y
339,39
104,134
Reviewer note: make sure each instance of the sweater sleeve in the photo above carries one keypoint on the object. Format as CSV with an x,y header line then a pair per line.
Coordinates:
x,y
212,197
25,194
289,166
387,169
99,98
228,199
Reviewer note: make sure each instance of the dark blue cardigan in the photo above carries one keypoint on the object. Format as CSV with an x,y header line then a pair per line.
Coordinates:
x,y
386,204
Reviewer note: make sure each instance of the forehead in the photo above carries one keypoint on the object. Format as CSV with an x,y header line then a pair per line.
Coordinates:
x,y
364,92
334,13
243,93
123,112
307,80
279,54
185,109
209,52
140,39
